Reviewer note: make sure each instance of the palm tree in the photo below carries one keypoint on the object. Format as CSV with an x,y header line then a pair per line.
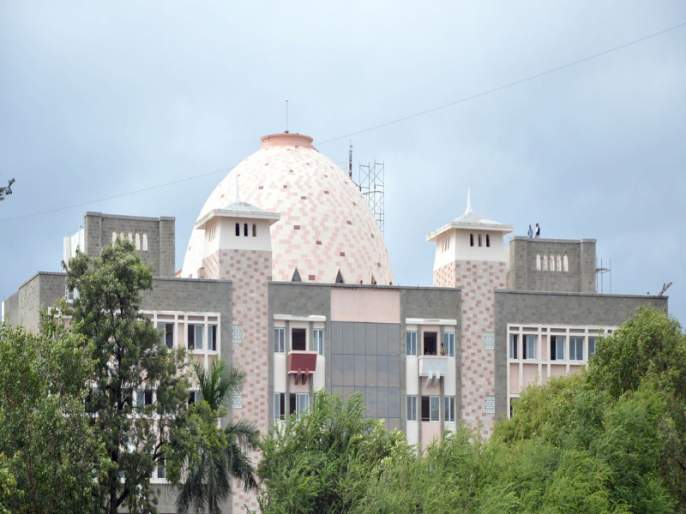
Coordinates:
x,y
218,459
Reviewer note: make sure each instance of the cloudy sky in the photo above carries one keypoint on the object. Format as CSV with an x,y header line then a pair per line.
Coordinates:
x,y
101,99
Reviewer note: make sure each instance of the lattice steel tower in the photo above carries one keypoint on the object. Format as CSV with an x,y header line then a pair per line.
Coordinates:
x,y
371,183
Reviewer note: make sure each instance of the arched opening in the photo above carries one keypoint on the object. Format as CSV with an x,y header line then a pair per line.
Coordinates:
x,y
296,276
339,278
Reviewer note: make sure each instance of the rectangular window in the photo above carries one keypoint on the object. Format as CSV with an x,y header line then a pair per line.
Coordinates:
x,y
140,398
212,337
193,397
430,343
167,330
576,348
435,405
512,402
449,408
279,339
411,342
245,229
279,405
303,404
238,229
318,338
148,397
514,342
298,339
411,408
195,336
161,473
425,412
471,239
299,403
591,346
488,241
530,343
449,344
430,408
557,348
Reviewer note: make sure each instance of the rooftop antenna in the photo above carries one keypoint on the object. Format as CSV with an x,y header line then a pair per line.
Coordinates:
x,y
6,191
350,161
665,286
286,115
600,272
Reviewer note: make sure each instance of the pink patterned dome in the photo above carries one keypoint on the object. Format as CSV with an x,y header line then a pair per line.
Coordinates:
x,y
326,229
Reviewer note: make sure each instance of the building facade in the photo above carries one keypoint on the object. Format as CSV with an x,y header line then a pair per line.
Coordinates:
x,y
286,277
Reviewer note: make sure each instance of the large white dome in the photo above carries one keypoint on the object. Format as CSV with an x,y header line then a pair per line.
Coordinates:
x,y
325,226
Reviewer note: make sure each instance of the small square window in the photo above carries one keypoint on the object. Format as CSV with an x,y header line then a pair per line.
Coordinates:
x,y
236,401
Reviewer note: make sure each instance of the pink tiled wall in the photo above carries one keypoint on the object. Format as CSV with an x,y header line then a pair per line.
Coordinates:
x,y
478,281
249,271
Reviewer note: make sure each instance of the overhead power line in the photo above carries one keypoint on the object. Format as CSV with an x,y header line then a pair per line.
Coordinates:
x,y
506,85
113,197
388,123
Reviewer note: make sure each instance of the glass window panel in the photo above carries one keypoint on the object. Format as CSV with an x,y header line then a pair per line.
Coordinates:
x,y
576,348
530,343
591,346
449,408
212,337
411,408
514,343
411,343
448,344
435,408
318,334
279,339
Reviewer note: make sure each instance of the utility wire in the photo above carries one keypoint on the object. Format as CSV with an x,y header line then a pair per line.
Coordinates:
x,y
506,85
388,123
113,197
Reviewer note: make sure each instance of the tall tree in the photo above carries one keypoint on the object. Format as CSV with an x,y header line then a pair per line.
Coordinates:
x,y
138,386
322,461
52,458
205,457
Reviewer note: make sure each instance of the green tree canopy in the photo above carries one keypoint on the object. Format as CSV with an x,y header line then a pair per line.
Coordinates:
x,y
52,458
129,359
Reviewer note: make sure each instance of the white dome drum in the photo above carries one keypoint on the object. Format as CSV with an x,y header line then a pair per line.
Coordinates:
x,y
326,229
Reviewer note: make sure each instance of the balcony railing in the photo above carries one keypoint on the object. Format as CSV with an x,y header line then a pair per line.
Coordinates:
x,y
302,363
433,366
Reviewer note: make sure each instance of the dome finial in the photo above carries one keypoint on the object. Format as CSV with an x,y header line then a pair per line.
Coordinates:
x,y
468,210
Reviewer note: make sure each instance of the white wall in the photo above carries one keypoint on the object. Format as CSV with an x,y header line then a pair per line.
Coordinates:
x,y
459,249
